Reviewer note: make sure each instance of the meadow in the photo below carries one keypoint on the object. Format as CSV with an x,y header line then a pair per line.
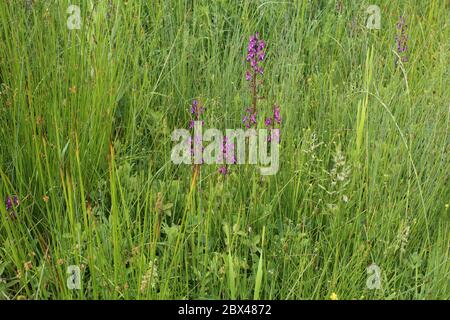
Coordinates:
x,y
93,207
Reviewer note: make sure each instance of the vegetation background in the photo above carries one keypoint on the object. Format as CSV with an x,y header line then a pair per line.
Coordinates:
x,y
85,137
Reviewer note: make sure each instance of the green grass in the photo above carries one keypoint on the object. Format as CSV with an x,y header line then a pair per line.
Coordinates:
x,y
85,139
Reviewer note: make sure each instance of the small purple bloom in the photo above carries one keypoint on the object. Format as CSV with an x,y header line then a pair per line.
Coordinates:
x,y
261,56
261,45
277,114
8,203
249,118
12,203
194,106
196,109
248,76
223,170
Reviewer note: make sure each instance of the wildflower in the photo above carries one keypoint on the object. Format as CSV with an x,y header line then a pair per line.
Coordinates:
x,y
45,198
402,40
197,110
227,153
197,142
11,204
334,296
270,123
276,114
8,203
249,119
255,55
253,117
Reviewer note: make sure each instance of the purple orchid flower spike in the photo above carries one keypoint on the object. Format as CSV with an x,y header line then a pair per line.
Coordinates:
x,y
11,204
402,40
255,54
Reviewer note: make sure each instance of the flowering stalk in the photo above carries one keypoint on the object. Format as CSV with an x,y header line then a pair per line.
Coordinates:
x,y
227,153
196,110
255,55
402,40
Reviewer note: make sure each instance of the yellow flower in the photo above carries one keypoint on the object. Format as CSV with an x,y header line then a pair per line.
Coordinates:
x,y
334,296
